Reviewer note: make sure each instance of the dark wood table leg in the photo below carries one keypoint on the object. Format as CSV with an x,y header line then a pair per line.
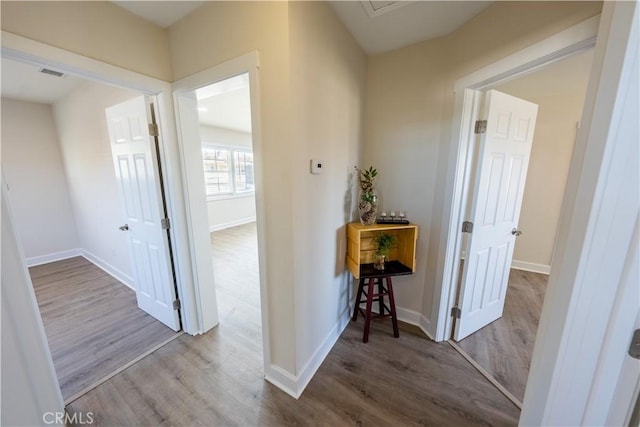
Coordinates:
x,y
392,304
356,307
367,313
380,281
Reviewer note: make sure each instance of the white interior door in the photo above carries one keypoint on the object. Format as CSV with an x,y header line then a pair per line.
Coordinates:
x,y
137,172
503,158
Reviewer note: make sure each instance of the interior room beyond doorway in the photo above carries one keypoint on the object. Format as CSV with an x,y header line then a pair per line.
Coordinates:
x,y
224,112
59,168
504,348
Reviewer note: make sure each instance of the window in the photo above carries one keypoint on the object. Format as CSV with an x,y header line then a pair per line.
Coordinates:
x,y
227,171
243,167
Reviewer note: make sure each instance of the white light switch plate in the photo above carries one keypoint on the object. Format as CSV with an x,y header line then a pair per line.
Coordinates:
x,y
317,166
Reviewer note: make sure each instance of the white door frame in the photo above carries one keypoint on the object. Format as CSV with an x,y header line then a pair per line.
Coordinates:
x,y
26,50
198,224
468,97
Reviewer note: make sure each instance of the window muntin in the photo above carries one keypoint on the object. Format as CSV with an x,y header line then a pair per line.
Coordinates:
x,y
227,171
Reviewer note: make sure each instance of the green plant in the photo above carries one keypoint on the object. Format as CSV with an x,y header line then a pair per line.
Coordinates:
x,y
366,178
384,243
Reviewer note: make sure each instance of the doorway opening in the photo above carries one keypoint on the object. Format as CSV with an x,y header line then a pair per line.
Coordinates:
x,y
219,128
224,112
63,192
502,348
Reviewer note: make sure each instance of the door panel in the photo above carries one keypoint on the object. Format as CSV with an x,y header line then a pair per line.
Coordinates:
x,y
503,159
136,167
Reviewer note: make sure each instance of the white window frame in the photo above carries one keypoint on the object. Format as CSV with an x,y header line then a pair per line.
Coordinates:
x,y
234,193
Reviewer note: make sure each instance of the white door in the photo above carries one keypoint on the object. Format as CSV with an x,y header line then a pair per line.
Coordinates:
x,y
137,172
503,158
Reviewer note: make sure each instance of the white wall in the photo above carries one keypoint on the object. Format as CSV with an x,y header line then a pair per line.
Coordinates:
x,y
34,170
29,384
235,210
328,72
84,141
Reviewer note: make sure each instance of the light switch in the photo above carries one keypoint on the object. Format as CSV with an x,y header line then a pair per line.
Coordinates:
x,y
316,166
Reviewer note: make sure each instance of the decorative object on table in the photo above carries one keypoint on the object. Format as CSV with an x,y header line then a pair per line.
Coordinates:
x,y
368,200
393,217
384,243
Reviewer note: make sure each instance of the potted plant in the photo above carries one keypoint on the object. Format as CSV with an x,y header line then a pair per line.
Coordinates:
x,y
368,199
384,243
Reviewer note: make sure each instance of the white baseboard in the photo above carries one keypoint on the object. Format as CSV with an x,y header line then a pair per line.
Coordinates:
x,y
411,317
416,319
56,256
294,385
282,379
109,269
530,266
310,368
230,224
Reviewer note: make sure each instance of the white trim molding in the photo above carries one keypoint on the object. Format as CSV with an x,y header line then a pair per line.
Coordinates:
x,y
53,257
294,385
112,271
237,222
586,325
530,266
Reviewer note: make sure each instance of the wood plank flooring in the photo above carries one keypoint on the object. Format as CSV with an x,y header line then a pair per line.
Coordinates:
x,y
213,380
235,266
216,379
504,347
92,322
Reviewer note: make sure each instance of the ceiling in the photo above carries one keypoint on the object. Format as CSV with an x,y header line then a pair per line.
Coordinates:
x,y
26,82
161,13
226,104
380,26
377,25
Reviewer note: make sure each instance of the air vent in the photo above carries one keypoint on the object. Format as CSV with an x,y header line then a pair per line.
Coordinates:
x,y
51,72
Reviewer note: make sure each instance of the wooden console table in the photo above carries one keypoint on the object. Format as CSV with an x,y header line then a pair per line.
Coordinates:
x,y
360,256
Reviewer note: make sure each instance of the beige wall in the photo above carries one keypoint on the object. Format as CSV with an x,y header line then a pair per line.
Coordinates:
x,y
328,72
96,29
34,170
409,114
84,140
402,140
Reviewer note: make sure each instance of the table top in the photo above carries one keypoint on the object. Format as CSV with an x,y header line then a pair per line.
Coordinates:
x,y
391,268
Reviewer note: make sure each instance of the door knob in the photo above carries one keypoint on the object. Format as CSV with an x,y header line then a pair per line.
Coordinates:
x,y
124,227
516,232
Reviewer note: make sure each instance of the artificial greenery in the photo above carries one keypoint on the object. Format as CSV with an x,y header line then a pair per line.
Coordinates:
x,y
366,178
384,243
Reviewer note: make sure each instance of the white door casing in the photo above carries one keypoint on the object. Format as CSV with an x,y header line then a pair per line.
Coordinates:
x,y
503,159
137,173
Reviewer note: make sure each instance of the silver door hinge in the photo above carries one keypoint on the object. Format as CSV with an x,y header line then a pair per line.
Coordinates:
x,y
481,126
634,348
153,129
456,312
176,304
165,223
467,227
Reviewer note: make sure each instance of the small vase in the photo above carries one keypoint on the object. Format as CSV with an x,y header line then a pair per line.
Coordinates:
x,y
379,262
368,207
